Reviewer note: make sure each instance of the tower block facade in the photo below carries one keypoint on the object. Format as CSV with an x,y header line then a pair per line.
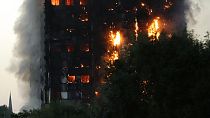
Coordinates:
x,y
68,48
77,40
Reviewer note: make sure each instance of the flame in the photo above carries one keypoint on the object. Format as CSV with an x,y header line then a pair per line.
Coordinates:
x,y
55,2
136,28
116,38
115,55
113,50
154,28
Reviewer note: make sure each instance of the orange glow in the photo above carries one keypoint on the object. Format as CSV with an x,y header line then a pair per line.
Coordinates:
x,y
85,79
83,2
71,79
96,93
154,28
69,2
55,2
142,4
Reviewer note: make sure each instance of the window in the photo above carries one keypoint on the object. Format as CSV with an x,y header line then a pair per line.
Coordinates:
x,y
85,47
83,2
63,80
64,95
55,2
71,79
70,49
69,2
83,17
85,79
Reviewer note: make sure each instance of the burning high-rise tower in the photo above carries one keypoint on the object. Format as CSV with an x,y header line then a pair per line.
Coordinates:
x,y
79,32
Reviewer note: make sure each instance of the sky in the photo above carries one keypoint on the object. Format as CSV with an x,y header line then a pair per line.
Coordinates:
x,y
8,81
9,11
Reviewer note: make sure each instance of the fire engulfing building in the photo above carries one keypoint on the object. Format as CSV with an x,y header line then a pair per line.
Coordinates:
x,y
78,35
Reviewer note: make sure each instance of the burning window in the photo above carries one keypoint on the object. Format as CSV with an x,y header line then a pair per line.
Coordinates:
x,y
55,2
69,2
71,79
85,79
83,2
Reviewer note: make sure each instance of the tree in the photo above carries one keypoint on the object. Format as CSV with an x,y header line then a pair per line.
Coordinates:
x,y
58,110
165,78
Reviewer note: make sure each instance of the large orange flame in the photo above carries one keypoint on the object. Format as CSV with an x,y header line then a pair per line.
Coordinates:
x,y
113,50
154,28
116,38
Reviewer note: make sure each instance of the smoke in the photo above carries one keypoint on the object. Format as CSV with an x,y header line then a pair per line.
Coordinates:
x,y
193,11
175,16
29,51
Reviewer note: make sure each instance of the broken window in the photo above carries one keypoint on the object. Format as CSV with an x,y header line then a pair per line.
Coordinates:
x,y
55,2
71,79
69,2
85,79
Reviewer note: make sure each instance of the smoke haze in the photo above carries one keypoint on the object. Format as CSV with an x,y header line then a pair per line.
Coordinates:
x,y
29,51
